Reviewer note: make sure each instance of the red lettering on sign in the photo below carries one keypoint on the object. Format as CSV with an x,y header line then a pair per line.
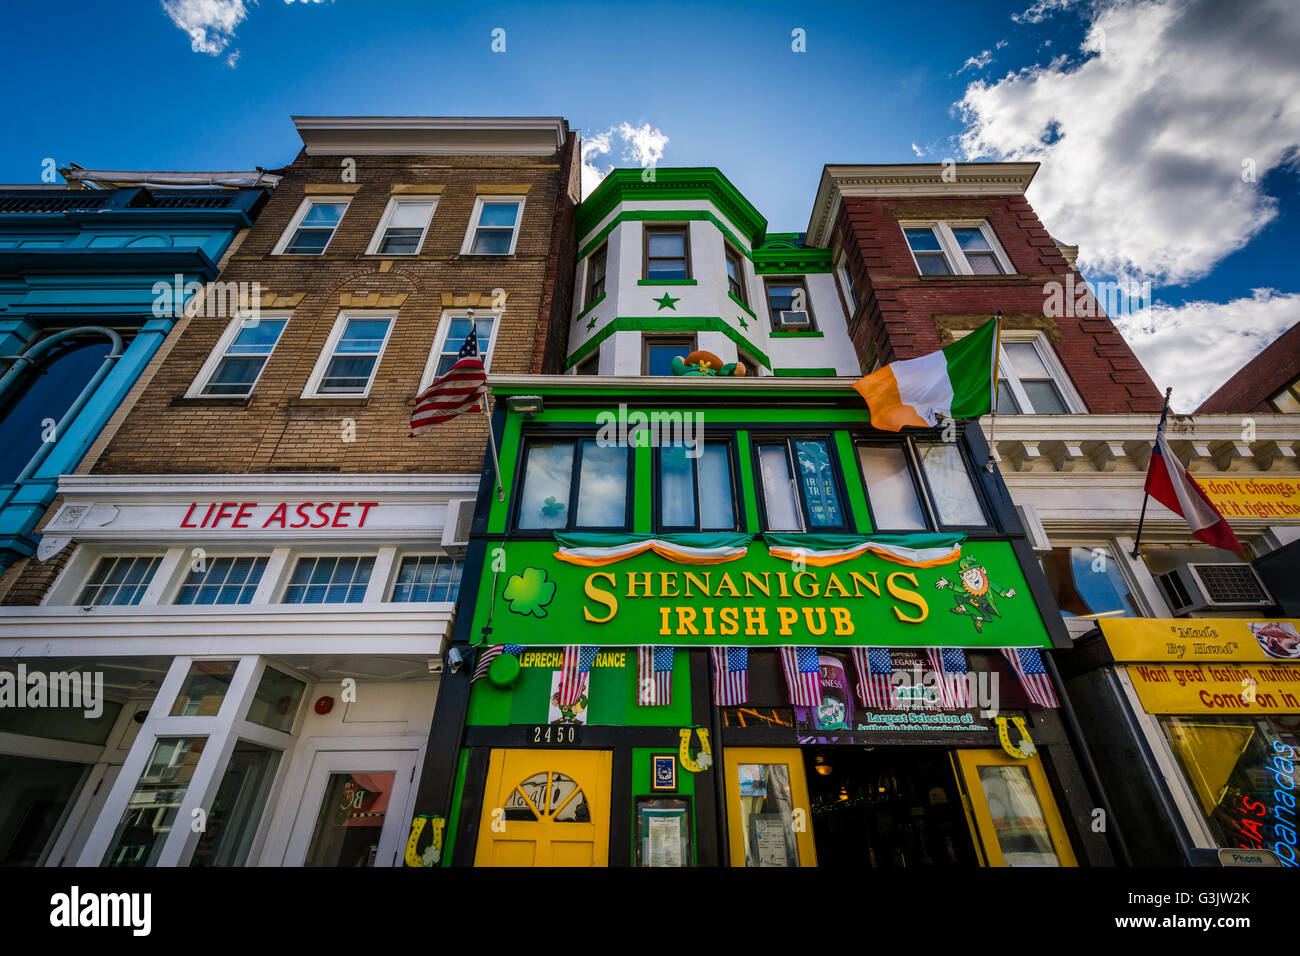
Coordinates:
x,y
342,511
277,515
221,512
365,510
185,521
322,512
302,513
243,514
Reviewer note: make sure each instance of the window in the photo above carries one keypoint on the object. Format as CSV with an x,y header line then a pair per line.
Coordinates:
x,y
892,493
493,226
351,356
851,298
695,491
590,365
736,275
1287,401
152,807
1025,384
1087,583
223,581
118,580
952,489
427,577
966,248
447,350
596,275
552,499
787,301
658,353
312,227
667,253
240,357
800,491
402,229
329,581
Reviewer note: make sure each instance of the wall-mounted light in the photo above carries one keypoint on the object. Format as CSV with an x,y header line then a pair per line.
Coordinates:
x,y
821,766
527,405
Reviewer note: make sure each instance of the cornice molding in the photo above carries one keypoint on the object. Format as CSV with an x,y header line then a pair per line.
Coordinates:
x,y
672,184
431,135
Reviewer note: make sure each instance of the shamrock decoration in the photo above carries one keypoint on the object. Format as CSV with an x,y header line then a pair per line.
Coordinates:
x,y
530,592
551,507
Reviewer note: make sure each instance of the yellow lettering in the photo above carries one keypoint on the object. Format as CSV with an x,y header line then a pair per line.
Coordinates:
x,y
603,597
907,597
668,579
780,579
730,620
765,588
702,585
843,622
860,582
632,583
663,622
686,621
729,585
806,574
838,585
788,616
816,629
708,621
756,622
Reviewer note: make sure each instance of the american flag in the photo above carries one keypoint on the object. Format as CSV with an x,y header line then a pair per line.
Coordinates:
x,y
1027,662
875,677
949,666
654,675
490,652
573,675
459,389
803,675
730,675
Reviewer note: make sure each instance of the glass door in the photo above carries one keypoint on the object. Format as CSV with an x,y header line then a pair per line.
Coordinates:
x,y
355,809
1013,809
768,815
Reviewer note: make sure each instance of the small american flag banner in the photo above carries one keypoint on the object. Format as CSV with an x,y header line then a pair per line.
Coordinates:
x,y
803,675
949,666
462,388
654,675
730,675
490,652
1027,662
875,677
573,675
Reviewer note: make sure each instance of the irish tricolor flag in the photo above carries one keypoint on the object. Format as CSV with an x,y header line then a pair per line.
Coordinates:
x,y
957,382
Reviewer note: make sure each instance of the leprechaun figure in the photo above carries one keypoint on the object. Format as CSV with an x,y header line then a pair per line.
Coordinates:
x,y
972,592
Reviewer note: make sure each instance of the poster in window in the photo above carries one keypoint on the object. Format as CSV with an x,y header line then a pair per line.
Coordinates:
x,y
663,835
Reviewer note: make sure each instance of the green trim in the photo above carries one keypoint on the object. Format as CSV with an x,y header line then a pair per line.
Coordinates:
x,y
797,334
736,416
706,182
667,281
509,454
736,299
599,299
663,215
783,252
853,481
744,455
642,501
673,323
805,372
453,817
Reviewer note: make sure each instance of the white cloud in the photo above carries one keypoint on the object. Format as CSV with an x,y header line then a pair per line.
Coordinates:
x,y
918,150
1197,346
1143,141
1040,10
977,62
210,24
642,145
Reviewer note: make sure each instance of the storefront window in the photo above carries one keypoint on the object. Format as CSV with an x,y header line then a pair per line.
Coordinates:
x,y
238,806
1087,583
275,704
350,820
204,688
695,492
766,810
151,809
895,505
1018,819
547,498
1243,773
799,486
36,793
956,502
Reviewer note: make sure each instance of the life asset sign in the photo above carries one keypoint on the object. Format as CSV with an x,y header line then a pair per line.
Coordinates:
x,y
281,516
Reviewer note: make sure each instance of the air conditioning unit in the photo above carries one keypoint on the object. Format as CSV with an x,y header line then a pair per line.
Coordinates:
x,y
460,514
793,320
1202,587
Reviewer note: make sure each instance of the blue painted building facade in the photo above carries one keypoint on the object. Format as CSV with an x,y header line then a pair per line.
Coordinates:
x,y
85,303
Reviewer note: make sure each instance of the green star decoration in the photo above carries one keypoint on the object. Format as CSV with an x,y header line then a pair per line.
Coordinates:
x,y
743,323
591,323
667,302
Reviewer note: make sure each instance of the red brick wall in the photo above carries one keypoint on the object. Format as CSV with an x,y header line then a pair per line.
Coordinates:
x,y
904,314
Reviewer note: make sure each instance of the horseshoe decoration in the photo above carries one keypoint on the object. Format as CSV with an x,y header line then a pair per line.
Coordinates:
x,y
433,852
705,760
1026,748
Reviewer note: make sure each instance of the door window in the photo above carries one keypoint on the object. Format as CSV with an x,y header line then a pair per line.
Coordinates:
x,y
767,810
548,796
350,820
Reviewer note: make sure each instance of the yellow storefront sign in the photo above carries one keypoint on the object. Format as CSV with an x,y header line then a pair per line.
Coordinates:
x,y
1201,639
1249,497
1217,688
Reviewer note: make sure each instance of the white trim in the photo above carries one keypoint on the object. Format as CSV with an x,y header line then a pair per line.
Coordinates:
x,y
957,262
327,353
430,200
201,381
440,341
474,220
1055,371
298,217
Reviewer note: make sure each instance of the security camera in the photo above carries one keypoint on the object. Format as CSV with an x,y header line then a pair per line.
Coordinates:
x,y
455,658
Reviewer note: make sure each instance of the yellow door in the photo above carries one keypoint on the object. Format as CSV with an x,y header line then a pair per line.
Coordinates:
x,y
767,807
1015,816
545,808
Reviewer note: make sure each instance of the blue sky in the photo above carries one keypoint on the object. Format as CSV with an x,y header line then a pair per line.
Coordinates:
x,y
1143,133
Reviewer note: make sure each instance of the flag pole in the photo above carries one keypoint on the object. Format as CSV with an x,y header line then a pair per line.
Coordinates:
x,y
997,355
492,439
1146,497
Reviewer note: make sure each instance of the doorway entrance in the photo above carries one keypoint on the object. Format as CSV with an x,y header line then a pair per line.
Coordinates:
x,y
888,807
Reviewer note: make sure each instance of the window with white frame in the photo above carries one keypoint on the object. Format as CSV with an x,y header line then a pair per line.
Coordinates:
x,y
312,227
351,355
119,579
427,577
329,580
1031,380
402,229
493,226
452,331
226,580
851,298
956,248
237,362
